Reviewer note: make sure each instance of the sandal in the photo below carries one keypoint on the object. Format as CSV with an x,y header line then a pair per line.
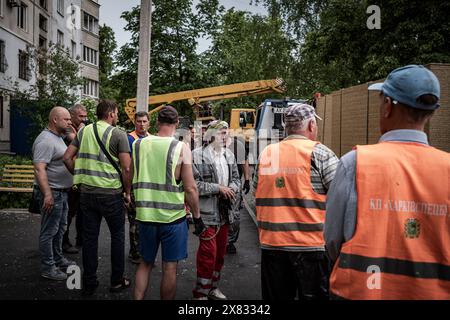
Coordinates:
x,y
123,285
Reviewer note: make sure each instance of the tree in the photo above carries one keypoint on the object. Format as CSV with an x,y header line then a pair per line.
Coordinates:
x,y
337,50
58,83
175,64
247,48
172,50
107,48
299,16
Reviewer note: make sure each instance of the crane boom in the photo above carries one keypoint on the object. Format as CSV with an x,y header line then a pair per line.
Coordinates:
x,y
196,96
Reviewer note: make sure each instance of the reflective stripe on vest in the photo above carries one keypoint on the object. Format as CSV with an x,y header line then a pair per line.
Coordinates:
x,y
289,212
158,197
402,226
92,167
134,135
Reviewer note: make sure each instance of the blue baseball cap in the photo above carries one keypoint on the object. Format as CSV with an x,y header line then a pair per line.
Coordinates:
x,y
408,83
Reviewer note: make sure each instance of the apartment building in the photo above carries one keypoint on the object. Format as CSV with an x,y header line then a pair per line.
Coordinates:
x,y
32,24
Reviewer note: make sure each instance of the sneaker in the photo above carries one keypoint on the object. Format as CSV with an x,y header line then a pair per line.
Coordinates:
x,y
200,298
54,274
64,263
216,294
231,249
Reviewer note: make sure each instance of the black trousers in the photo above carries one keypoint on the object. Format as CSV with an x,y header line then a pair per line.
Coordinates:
x,y
94,208
74,207
235,227
286,275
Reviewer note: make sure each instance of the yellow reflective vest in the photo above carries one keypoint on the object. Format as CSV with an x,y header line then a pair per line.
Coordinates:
x,y
92,167
158,196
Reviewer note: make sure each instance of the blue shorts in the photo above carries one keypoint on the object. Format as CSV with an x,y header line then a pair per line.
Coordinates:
x,y
173,239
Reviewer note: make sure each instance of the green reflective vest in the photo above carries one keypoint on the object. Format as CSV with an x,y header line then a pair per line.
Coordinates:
x,y
158,196
91,165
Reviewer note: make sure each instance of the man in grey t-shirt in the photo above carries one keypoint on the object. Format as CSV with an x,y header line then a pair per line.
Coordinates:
x,y
52,182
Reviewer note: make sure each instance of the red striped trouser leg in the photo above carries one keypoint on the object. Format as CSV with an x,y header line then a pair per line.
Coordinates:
x,y
221,242
206,257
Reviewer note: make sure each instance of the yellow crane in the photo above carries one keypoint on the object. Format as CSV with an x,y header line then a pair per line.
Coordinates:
x,y
197,96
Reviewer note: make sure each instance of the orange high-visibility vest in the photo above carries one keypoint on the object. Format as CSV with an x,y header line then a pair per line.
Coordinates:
x,y
403,226
134,135
289,212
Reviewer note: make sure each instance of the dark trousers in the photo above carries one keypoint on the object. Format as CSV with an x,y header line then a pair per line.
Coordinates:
x,y
74,207
94,207
133,232
235,227
287,275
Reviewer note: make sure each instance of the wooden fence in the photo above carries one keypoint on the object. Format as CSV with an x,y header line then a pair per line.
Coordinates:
x,y
351,116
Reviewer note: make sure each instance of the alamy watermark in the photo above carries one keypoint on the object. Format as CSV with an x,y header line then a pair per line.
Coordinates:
x,y
374,280
74,277
374,20
73,21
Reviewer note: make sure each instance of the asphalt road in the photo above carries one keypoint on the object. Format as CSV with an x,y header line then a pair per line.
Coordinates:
x,y
20,260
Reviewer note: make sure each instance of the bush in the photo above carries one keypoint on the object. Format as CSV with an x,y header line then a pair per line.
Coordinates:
x,y
13,199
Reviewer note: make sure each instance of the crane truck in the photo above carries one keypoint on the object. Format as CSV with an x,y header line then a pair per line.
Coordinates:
x,y
241,120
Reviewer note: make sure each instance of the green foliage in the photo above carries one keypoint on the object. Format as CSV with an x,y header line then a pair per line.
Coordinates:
x,y
57,81
315,45
107,48
245,48
299,16
13,199
153,119
91,108
337,50
174,63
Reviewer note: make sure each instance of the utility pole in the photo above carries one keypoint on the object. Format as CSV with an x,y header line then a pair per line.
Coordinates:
x,y
144,55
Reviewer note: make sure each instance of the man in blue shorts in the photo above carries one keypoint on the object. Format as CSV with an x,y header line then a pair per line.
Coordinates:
x,y
162,181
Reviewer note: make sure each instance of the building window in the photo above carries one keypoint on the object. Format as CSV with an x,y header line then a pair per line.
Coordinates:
x,y
90,88
74,50
43,4
42,42
42,23
24,66
90,55
3,64
60,38
90,23
22,16
1,109
60,7
42,64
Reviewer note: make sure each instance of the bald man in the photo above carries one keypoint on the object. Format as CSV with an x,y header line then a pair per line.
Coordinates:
x,y
51,185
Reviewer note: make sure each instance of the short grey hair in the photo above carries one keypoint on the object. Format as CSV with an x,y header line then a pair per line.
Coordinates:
x,y
76,107
297,126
